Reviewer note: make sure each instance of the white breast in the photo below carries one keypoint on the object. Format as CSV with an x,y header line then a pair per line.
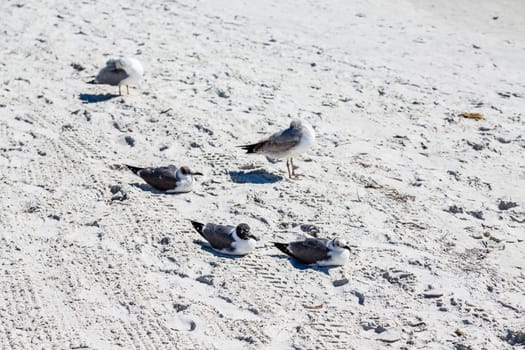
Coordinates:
x,y
185,184
134,69
337,258
243,247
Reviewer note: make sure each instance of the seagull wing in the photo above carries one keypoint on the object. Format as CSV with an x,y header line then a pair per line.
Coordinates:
x,y
162,178
219,236
308,251
279,142
110,75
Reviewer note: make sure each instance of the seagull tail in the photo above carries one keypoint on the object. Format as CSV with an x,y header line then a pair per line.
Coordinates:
x,y
283,247
251,148
134,169
198,227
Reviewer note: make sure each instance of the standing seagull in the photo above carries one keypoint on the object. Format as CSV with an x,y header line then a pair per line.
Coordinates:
x,y
288,143
167,178
320,251
227,239
120,71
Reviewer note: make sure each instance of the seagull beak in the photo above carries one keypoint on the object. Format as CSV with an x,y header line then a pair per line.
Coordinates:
x,y
348,247
255,238
197,173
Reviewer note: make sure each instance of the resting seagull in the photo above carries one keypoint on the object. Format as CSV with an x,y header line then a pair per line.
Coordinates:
x,y
167,178
288,143
120,71
320,251
227,239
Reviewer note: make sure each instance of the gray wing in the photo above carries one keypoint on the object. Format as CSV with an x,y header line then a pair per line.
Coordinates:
x,y
310,250
281,141
162,178
219,236
110,75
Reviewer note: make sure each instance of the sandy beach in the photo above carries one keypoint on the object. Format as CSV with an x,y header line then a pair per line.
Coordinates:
x,y
432,203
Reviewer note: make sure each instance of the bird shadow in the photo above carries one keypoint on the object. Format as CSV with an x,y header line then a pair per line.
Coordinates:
x,y
303,267
259,176
96,98
209,249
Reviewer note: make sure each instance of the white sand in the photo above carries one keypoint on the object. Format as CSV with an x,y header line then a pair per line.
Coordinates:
x,y
79,270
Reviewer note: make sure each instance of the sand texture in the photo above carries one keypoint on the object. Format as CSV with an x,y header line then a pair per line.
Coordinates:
x,y
433,203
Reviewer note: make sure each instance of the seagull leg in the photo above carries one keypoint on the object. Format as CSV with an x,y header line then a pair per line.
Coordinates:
x,y
127,88
119,93
288,168
293,170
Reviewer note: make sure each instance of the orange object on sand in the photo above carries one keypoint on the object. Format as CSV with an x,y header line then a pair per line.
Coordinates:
x,y
472,115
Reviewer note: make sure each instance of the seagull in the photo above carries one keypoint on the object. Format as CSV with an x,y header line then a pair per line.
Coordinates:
x,y
120,71
167,178
227,239
320,251
287,143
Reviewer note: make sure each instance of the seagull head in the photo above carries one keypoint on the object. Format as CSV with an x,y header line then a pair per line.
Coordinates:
x,y
119,65
296,124
243,232
340,244
306,128
184,170
130,65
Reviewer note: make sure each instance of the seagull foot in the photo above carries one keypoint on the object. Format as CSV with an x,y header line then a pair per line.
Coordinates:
x,y
296,176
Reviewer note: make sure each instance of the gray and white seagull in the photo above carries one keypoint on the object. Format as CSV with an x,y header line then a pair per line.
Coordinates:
x,y
120,72
226,239
287,143
167,178
320,251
